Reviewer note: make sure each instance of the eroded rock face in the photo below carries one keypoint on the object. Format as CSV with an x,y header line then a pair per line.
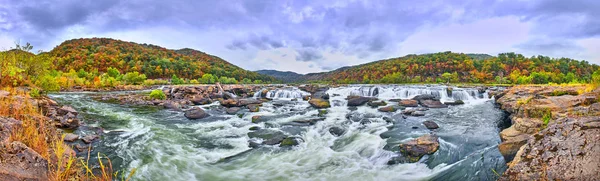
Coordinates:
x,y
567,150
417,148
20,162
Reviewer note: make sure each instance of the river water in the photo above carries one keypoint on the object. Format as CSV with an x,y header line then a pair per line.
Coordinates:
x,y
164,145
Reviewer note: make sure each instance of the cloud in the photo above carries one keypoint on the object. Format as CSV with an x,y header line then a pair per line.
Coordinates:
x,y
322,34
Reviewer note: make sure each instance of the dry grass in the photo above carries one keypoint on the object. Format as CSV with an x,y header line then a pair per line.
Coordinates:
x,y
39,134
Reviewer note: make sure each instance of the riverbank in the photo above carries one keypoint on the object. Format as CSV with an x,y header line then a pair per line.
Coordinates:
x,y
554,134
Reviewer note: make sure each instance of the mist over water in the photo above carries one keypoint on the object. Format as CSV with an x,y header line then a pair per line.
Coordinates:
x,y
164,145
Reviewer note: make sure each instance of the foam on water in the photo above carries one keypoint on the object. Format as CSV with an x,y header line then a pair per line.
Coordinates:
x,y
163,145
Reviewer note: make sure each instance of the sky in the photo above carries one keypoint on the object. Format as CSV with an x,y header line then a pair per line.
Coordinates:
x,y
314,36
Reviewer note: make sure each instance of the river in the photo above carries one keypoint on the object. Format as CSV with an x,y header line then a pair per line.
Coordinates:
x,y
164,145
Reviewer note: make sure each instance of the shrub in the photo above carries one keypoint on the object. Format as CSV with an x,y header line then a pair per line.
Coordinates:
x,y
176,80
194,81
547,117
34,92
134,78
158,94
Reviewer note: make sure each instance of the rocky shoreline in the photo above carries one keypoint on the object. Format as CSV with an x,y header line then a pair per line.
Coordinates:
x,y
554,134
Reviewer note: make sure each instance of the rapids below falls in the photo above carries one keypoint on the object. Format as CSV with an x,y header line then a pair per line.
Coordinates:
x,y
164,145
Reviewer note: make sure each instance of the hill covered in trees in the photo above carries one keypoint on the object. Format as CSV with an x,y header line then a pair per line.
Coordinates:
x,y
506,68
285,76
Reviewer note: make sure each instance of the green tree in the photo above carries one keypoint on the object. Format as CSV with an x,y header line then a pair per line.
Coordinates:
x,y
134,78
113,72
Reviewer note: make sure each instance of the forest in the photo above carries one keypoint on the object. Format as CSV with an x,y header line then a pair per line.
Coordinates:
x,y
104,62
449,67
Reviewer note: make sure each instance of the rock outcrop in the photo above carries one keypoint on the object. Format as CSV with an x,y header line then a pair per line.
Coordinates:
x,y
555,133
417,148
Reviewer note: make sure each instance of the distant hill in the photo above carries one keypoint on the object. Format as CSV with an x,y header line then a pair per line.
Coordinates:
x,y
286,77
98,54
460,67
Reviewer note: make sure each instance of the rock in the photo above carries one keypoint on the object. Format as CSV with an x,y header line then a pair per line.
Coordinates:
x,y
322,112
20,162
196,113
457,102
415,127
290,141
567,150
246,102
389,109
306,97
309,121
6,126
319,103
89,138
4,93
253,108
270,137
337,131
70,137
417,148
254,128
229,103
66,109
68,123
432,104
232,110
294,99
376,103
201,101
422,97
320,95
260,119
430,125
171,105
408,103
358,101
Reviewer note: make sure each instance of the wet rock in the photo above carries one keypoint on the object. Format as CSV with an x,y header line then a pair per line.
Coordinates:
x,y
196,113
254,128
171,105
309,121
422,97
376,103
457,102
432,104
253,108
70,137
66,110
337,131
201,101
68,122
89,138
229,103
358,101
408,103
320,95
322,112
389,109
415,127
319,103
417,148
388,119
232,110
290,141
82,148
294,99
253,144
430,124
306,97
246,102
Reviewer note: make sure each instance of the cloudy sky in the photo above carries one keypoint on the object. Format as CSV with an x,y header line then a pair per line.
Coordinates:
x,y
313,36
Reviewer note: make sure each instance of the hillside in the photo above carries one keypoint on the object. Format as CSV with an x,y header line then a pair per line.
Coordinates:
x,y
459,67
286,77
98,54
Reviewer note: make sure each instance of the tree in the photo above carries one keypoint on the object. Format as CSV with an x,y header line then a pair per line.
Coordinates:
x,y
134,78
113,72
447,76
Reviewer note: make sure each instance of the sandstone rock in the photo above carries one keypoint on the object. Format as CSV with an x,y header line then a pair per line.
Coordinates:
x,y
319,103
417,148
89,138
455,103
408,103
358,101
196,113
232,110
389,109
376,103
201,101
20,162
70,137
66,109
253,108
432,104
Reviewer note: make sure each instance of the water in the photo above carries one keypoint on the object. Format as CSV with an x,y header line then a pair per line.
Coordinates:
x,y
164,145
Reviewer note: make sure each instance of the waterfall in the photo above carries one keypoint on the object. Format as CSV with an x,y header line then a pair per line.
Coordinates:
x,y
283,93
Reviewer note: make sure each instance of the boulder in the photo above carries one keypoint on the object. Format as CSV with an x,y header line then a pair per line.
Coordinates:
x,y
432,104
319,103
425,97
89,138
270,137
245,102
358,101
337,131
20,162
309,121
389,109
232,110
290,141
408,103
196,113
229,103
454,103
70,137
376,103
201,100
253,108
417,148
430,124
306,97
66,109
171,105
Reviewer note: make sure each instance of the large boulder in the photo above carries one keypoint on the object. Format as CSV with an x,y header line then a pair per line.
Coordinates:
x,y
417,148
408,103
337,131
319,103
20,162
430,124
70,137
245,102
376,103
232,110
196,113
253,108
269,136
390,108
66,110
425,97
358,101
432,104
201,100
455,103
290,141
